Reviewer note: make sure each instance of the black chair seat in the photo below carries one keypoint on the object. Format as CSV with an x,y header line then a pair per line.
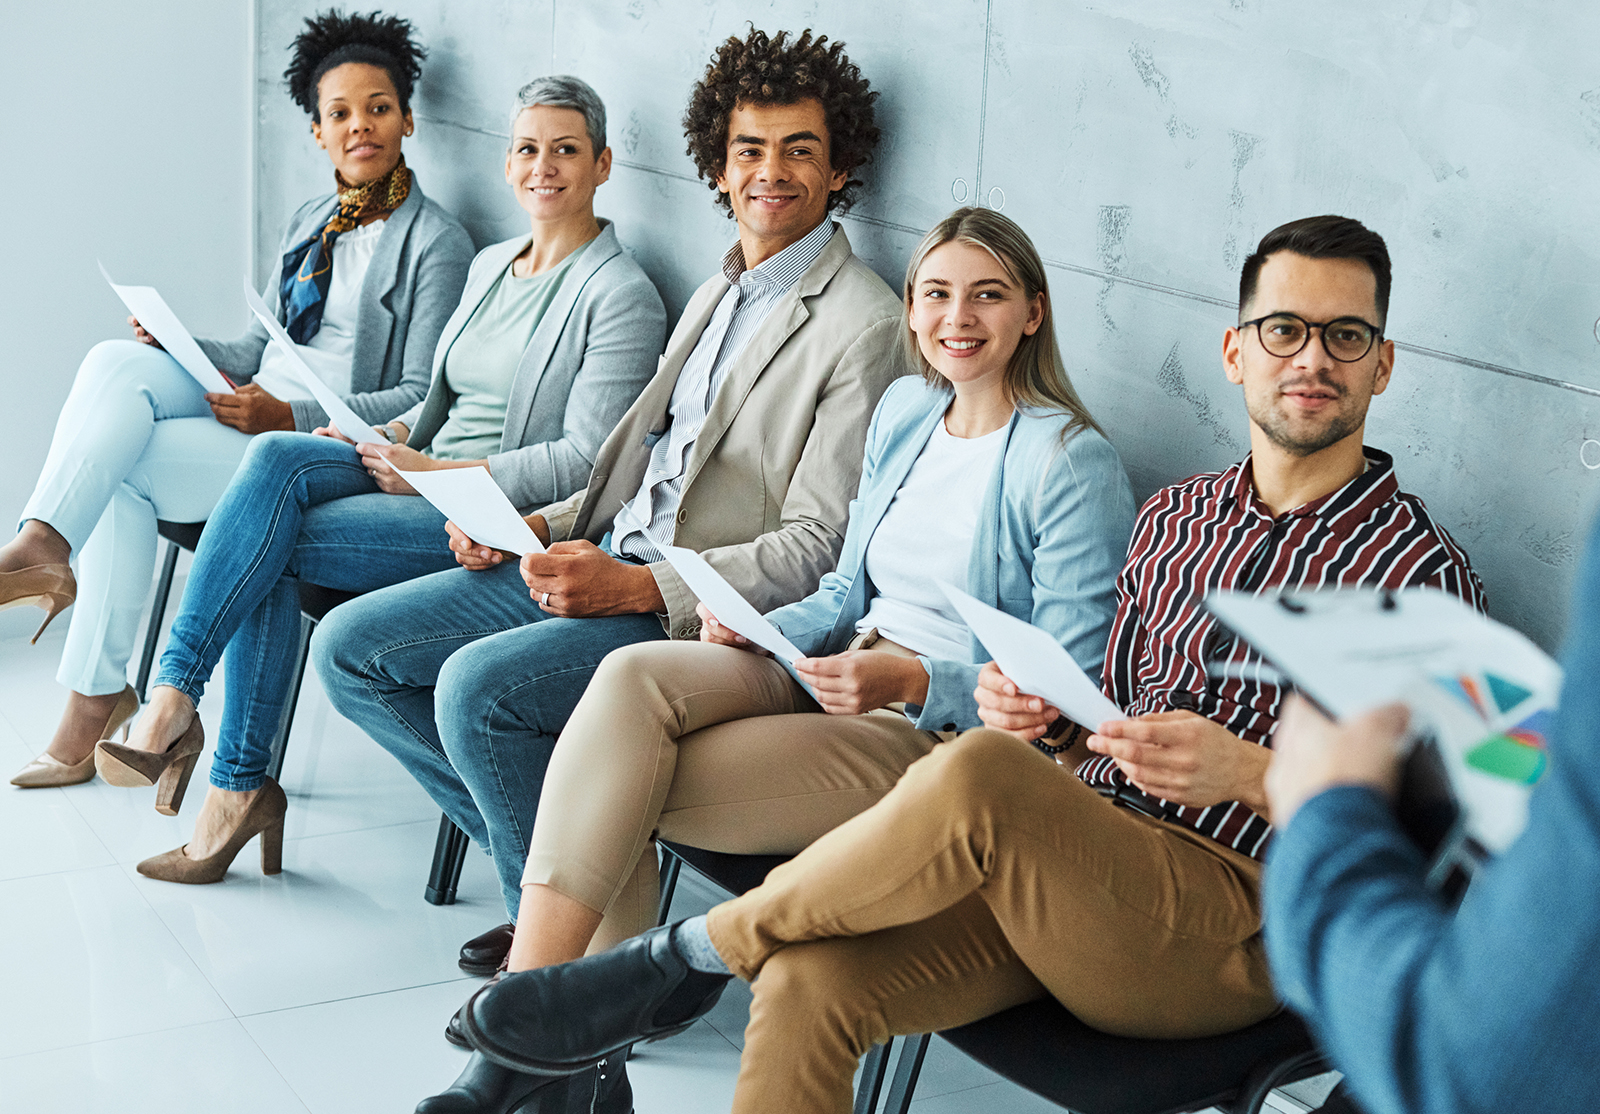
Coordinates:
x,y
183,534
734,873
1044,1048
316,601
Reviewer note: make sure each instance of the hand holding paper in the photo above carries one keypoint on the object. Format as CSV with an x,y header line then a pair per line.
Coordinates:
x,y
1035,661
731,609
471,499
344,419
159,321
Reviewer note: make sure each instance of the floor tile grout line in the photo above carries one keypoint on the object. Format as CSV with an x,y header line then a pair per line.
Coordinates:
x,y
7,1057
354,997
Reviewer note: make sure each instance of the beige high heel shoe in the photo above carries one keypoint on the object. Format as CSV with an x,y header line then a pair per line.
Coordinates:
x,y
264,817
45,772
51,587
168,771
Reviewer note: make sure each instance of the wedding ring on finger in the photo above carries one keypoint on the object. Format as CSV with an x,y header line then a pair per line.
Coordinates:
x,y
544,600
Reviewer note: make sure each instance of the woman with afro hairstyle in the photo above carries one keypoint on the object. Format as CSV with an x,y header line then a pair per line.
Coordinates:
x,y
368,278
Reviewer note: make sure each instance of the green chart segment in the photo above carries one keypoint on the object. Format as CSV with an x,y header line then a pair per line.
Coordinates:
x,y
1517,755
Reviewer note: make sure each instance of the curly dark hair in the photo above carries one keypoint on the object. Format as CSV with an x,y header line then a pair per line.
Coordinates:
x,y
763,69
333,38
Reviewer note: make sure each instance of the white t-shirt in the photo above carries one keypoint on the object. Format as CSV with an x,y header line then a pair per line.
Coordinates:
x,y
330,350
926,536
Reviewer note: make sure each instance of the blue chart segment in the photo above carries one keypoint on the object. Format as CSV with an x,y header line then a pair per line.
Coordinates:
x,y
1507,694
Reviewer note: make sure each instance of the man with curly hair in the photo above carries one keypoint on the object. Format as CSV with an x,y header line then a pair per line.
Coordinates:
x,y
745,446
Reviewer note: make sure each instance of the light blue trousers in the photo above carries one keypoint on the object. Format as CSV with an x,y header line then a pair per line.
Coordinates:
x,y
135,442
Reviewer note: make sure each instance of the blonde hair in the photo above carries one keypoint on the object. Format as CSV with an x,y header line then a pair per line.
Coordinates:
x,y
1035,377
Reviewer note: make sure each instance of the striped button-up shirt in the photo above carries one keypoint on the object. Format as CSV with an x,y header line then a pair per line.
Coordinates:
x,y
1212,532
646,523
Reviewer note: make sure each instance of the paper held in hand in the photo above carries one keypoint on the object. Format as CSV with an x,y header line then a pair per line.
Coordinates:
x,y
1035,661
471,499
724,601
152,312
340,416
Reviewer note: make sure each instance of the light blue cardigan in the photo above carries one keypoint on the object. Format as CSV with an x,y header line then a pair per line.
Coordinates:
x,y
591,354
413,282
1052,534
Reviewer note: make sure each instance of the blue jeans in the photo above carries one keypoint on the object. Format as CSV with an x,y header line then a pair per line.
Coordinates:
x,y
468,683
300,508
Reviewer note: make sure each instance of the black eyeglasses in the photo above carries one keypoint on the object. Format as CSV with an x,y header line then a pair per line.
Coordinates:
x,y
1346,339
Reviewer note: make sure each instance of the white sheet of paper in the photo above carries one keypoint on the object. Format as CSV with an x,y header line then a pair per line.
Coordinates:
x,y
344,419
145,303
471,499
731,609
1038,664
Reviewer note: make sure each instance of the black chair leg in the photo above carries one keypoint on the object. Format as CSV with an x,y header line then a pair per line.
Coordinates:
x,y
280,742
906,1070
449,855
670,866
158,616
1253,1095
873,1069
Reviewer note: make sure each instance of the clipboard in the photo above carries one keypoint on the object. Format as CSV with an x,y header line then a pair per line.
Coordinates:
x,y
1481,697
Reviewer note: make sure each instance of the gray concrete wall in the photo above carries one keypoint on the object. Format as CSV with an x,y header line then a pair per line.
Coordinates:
x,y
124,135
1146,145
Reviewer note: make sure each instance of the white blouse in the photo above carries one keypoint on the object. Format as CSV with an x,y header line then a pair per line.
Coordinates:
x,y
330,350
926,536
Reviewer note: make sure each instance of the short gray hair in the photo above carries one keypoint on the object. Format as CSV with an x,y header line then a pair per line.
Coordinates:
x,y
566,91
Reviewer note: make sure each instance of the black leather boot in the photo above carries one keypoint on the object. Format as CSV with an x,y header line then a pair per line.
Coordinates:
x,y
487,1088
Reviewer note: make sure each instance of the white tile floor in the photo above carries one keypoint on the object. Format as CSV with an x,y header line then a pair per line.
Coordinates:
x,y
321,990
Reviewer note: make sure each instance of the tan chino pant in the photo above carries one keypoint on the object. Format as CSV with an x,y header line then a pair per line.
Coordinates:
x,y
988,877
706,745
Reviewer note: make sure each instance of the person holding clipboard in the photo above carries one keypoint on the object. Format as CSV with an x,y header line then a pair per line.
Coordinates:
x,y
555,335
366,280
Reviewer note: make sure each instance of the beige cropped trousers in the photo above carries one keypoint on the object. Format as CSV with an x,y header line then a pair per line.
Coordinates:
x,y
988,877
705,745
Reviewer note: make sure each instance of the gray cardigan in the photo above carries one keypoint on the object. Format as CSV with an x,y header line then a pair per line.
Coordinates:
x,y
589,357
412,284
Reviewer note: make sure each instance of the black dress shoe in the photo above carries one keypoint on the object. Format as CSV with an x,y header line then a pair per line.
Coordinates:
x,y
453,1033
486,1087
558,1020
482,955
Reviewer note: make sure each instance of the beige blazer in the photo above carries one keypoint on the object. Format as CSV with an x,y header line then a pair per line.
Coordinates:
x,y
770,478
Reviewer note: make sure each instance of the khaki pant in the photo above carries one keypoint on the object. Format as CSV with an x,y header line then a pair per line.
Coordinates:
x,y
707,745
989,876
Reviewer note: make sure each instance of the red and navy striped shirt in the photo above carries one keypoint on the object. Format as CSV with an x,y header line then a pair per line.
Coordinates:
x,y
1211,531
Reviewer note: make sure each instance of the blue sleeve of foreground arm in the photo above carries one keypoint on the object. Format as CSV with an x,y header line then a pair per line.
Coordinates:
x,y
1495,1008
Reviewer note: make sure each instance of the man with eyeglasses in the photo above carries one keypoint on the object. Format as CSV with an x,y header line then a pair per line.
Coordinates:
x,y
1126,885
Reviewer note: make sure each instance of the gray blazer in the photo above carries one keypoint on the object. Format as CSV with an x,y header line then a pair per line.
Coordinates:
x,y
412,284
592,353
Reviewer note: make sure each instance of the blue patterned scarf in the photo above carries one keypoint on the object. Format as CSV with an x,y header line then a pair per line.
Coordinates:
x,y
308,266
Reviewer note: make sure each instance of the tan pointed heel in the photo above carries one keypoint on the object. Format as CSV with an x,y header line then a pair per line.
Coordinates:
x,y
129,768
51,587
264,817
45,772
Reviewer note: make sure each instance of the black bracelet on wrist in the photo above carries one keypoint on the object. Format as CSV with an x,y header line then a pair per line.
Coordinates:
x,y
1053,749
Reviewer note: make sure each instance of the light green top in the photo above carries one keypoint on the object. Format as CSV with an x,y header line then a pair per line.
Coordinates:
x,y
482,363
